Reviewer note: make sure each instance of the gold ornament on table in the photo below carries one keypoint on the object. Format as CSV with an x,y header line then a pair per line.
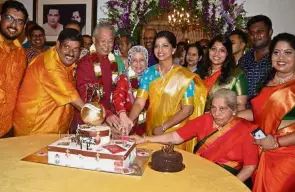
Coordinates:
x,y
93,114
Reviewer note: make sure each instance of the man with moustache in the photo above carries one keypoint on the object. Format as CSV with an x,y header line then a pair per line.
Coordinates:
x,y
256,62
12,61
37,42
148,40
48,93
94,72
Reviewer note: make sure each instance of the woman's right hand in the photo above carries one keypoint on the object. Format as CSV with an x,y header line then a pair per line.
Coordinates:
x,y
126,122
138,139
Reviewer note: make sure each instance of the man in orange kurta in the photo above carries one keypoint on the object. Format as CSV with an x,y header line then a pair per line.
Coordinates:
x,y
12,61
48,94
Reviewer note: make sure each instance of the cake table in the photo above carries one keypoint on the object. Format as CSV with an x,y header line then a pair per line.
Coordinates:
x,y
16,175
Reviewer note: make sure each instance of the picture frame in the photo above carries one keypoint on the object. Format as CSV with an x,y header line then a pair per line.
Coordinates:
x,y
53,15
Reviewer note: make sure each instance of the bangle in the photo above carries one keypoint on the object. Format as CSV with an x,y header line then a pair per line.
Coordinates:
x,y
277,144
145,140
164,127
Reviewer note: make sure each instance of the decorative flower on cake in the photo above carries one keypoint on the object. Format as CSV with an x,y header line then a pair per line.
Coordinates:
x,y
216,16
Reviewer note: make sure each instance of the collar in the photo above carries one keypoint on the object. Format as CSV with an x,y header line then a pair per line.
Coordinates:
x,y
14,45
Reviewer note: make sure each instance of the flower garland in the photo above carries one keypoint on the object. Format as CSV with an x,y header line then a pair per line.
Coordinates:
x,y
215,16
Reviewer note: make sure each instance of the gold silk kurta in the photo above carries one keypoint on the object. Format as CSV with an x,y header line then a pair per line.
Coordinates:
x,y
12,66
166,96
43,105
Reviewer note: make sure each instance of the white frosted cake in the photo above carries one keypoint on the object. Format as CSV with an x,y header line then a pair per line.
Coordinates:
x,y
91,148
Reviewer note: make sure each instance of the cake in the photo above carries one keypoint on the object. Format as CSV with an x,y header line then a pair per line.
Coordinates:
x,y
92,148
167,160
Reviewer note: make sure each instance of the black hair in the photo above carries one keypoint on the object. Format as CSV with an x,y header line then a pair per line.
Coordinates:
x,y
53,7
228,65
181,43
129,39
200,53
242,35
260,18
88,36
286,37
36,28
15,5
70,34
168,35
74,22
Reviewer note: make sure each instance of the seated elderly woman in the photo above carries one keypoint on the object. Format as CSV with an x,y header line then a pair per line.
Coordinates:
x,y
127,85
222,138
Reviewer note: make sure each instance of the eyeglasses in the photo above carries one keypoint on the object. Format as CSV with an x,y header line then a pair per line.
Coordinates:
x,y
68,49
204,47
11,19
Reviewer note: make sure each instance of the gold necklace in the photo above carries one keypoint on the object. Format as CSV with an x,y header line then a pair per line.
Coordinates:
x,y
279,80
162,75
212,71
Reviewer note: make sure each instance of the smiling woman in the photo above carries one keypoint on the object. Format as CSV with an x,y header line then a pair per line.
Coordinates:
x,y
219,71
171,104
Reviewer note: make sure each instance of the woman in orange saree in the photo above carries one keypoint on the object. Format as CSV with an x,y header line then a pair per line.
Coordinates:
x,y
219,71
274,111
222,138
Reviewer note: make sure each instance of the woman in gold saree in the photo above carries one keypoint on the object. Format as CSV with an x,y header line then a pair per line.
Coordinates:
x,y
219,71
175,94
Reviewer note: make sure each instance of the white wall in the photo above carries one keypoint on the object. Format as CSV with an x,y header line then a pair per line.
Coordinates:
x,y
29,6
281,12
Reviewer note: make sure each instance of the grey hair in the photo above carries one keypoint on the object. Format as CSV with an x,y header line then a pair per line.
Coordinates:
x,y
104,25
137,49
229,96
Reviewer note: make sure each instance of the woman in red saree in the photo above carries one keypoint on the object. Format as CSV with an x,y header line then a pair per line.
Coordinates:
x,y
219,71
127,85
222,138
274,111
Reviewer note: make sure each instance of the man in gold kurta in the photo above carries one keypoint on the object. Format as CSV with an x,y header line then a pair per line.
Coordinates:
x,y
48,94
12,61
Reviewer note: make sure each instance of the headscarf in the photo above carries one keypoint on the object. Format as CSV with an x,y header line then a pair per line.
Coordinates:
x,y
137,49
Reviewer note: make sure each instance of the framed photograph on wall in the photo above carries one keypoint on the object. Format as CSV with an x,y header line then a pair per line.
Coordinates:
x,y
53,15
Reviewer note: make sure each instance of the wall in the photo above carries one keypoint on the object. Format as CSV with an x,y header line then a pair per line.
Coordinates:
x,y
280,12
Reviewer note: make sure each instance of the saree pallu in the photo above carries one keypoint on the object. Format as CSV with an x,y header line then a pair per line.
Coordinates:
x,y
276,170
237,82
216,145
165,96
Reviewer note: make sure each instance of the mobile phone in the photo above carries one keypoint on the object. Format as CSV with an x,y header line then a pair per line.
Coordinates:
x,y
258,133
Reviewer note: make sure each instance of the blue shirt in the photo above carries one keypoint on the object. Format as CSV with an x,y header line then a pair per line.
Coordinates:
x,y
255,72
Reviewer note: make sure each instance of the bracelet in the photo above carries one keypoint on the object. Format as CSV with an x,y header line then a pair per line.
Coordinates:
x,y
145,140
164,127
277,144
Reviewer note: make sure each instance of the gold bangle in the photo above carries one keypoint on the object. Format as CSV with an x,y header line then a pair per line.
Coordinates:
x,y
145,140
